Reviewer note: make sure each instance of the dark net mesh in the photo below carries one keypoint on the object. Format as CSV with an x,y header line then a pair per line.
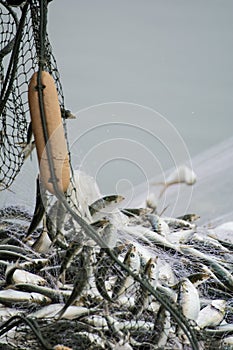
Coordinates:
x,y
73,293
19,60
77,275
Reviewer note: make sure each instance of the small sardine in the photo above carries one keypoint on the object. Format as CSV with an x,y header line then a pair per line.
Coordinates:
x,y
100,224
109,236
73,250
81,278
189,217
151,273
27,148
178,223
162,328
50,311
128,325
124,282
220,330
188,298
198,278
42,243
11,255
104,206
102,268
227,343
39,208
67,114
209,242
181,236
15,296
54,295
16,275
158,224
136,211
224,275
212,315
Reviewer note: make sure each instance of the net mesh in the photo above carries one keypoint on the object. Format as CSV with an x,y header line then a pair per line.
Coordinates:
x,y
89,277
19,60
110,309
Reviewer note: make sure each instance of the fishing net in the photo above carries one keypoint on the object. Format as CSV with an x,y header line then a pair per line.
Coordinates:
x,y
95,275
18,61
112,309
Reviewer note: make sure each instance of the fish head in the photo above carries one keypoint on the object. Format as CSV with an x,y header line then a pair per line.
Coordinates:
x,y
151,269
132,259
114,198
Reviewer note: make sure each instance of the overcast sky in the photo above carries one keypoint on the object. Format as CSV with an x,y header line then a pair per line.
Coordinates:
x,y
174,56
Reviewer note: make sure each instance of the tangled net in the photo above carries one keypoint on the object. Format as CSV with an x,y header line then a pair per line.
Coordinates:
x,y
19,59
112,309
91,277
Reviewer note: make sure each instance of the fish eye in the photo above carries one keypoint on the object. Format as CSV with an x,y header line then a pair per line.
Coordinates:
x,y
132,255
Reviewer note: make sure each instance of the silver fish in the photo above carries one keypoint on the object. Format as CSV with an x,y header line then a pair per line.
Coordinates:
x,y
67,114
104,206
124,282
189,217
42,243
81,279
162,328
198,278
226,343
166,274
54,295
209,242
150,237
136,211
135,325
223,328
181,236
178,223
109,236
158,224
104,264
50,311
224,275
54,226
151,273
188,298
8,254
212,315
15,296
27,148
100,224
15,275
73,250
39,208
14,248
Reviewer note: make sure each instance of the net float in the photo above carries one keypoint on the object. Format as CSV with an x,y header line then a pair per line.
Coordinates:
x,y
56,135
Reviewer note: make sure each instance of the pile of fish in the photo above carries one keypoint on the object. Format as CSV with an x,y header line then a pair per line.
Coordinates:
x,y
169,285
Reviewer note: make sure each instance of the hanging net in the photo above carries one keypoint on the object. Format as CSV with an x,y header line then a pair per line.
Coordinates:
x,y
18,61
82,272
